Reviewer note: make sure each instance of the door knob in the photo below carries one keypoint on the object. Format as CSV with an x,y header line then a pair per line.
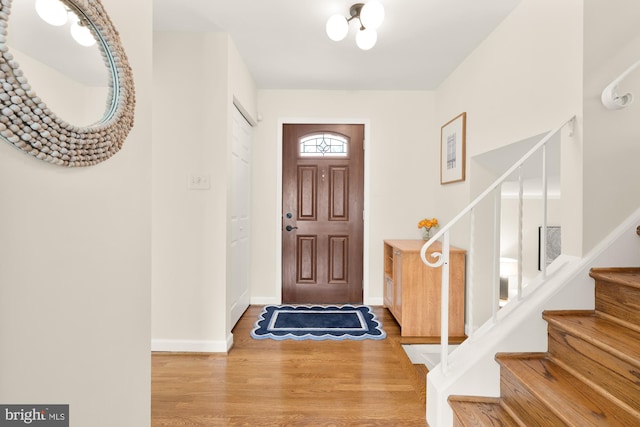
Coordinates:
x,y
289,228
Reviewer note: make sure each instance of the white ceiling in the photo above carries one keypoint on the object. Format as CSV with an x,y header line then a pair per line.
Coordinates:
x,y
285,46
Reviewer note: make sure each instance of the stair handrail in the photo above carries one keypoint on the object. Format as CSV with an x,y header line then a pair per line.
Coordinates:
x,y
610,97
442,258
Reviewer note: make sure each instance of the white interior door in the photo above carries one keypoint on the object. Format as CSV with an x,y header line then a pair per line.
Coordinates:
x,y
240,237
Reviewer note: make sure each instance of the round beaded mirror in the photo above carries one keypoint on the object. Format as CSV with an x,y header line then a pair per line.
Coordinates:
x,y
28,124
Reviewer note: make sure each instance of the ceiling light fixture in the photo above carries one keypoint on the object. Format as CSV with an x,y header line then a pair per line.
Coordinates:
x,y
52,12
370,15
55,13
82,34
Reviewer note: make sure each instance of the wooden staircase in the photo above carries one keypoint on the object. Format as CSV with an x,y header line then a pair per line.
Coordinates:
x,y
589,377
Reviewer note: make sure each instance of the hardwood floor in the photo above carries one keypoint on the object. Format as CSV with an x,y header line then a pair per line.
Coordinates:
x,y
290,383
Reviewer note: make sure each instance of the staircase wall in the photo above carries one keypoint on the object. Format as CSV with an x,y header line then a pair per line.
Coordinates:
x,y
610,138
520,328
519,82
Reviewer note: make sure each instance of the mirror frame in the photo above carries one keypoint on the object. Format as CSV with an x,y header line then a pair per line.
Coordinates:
x,y
27,123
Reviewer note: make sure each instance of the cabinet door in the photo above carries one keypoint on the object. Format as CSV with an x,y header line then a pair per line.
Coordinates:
x,y
388,277
397,285
388,292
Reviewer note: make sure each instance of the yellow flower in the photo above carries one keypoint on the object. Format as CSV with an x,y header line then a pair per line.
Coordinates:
x,y
428,223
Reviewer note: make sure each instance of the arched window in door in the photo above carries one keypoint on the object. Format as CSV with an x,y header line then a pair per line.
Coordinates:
x,y
324,145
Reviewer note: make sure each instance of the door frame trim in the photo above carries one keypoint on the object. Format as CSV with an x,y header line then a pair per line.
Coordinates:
x,y
366,298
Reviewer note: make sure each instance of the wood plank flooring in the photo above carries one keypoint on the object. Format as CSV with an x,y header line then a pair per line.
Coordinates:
x,y
290,383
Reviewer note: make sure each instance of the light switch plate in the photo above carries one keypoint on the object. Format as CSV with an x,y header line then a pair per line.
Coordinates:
x,y
198,182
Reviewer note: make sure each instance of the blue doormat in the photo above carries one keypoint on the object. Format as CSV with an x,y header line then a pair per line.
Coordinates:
x,y
346,322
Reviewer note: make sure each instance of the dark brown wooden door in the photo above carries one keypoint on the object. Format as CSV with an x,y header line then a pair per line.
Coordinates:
x,y
322,206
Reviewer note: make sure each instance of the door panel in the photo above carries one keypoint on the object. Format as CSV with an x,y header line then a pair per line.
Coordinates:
x,y
307,193
238,295
322,202
339,194
306,259
338,256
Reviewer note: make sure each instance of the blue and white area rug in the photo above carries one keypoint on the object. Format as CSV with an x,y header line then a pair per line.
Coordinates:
x,y
346,322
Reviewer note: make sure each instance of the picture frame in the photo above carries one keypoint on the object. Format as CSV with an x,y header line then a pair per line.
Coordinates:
x,y
453,154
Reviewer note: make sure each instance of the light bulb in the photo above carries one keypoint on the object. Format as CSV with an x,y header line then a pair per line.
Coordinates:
x,y
372,15
82,34
337,27
53,12
366,39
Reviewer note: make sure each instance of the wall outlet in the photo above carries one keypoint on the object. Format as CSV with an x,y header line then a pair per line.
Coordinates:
x,y
198,182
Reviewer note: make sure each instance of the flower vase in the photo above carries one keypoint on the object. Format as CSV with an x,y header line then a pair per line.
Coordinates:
x,y
426,235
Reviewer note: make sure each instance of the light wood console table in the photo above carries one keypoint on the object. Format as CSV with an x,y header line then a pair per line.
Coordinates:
x,y
412,291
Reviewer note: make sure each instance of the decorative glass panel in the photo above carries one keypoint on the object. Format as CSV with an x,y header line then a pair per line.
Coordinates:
x,y
324,145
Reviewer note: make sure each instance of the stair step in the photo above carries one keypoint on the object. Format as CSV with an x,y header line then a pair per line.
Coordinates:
x,y
479,411
541,393
618,294
628,276
599,331
599,351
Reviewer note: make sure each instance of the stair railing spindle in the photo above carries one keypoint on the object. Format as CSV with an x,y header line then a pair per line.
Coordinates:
x,y
444,308
471,275
520,226
543,237
497,199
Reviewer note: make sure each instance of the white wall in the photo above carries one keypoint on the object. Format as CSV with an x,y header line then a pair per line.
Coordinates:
x,y
611,138
179,215
523,80
75,267
196,78
401,173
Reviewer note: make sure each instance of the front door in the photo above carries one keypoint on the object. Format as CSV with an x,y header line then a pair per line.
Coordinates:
x,y
322,207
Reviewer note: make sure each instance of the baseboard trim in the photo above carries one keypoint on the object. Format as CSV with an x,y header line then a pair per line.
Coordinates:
x,y
274,301
191,346
265,301
374,301
229,341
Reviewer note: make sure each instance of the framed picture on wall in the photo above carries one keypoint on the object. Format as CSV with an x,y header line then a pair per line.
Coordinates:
x,y
453,154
